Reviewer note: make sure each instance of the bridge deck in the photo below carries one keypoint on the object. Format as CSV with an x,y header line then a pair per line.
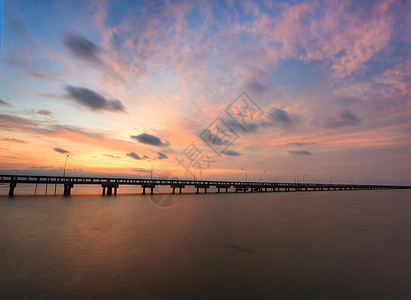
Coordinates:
x,y
113,183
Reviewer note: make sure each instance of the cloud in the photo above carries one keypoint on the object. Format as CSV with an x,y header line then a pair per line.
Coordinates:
x,y
134,155
231,153
299,152
212,138
41,168
44,112
149,139
256,87
17,27
249,126
82,48
42,76
345,101
2,102
14,140
93,100
161,155
141,170
281,118
111,156
300,144
346,118
61,150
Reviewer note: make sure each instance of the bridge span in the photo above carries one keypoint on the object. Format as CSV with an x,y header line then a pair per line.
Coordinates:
x,y
110,185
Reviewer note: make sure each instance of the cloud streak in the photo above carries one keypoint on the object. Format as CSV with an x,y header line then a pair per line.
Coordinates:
x,y
149,139
61,150
2,102
82,48
299,152
134,155
345,118
93,100
161,155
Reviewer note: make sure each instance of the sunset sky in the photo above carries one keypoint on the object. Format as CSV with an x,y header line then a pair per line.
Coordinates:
x,y
114,84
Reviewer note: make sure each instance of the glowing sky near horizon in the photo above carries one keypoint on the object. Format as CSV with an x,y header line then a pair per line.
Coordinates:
x,y
115,84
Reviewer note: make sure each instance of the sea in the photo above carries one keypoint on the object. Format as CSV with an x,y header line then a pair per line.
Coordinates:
x,y
268,245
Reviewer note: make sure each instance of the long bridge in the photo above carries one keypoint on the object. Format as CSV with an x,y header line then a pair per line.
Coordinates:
x,y
110,185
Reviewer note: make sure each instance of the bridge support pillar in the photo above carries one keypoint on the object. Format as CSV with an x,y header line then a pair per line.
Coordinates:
x,y
197,190
180,190
109,187
174,190
67,189
226,190
218,190
12,187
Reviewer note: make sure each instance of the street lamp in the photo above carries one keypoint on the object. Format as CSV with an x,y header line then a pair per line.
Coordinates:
x,y
151,173
331,178
245,174
296,177
65,164
260,174
198,166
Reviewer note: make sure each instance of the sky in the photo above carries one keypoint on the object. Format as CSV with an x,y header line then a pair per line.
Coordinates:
x,y
307,91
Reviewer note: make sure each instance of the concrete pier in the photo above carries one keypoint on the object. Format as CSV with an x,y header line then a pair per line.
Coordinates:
x,y
11,189
67,188
109,187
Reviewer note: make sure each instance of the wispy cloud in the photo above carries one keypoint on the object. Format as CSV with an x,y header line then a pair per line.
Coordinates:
x,y
161,155
82,48
93,100
134,155
61,150
14,140
281,118
149,139
231,152
42,76
112,156
2,102
299,152
17,27
44,112
300,144
345,118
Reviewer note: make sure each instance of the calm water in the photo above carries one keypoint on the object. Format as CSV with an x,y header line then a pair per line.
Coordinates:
x,y
311,245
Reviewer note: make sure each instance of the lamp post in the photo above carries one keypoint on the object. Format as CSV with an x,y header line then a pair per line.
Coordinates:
x,y
296,177
331,178
260,175
198,166
151,173
245,174
65,164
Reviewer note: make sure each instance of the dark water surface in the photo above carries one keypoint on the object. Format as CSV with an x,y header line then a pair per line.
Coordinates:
x,y
306,245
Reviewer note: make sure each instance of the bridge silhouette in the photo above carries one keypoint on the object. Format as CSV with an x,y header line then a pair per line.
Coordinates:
x,y
110,185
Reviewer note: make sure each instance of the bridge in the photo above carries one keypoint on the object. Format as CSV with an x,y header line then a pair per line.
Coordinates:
x,y
110,185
